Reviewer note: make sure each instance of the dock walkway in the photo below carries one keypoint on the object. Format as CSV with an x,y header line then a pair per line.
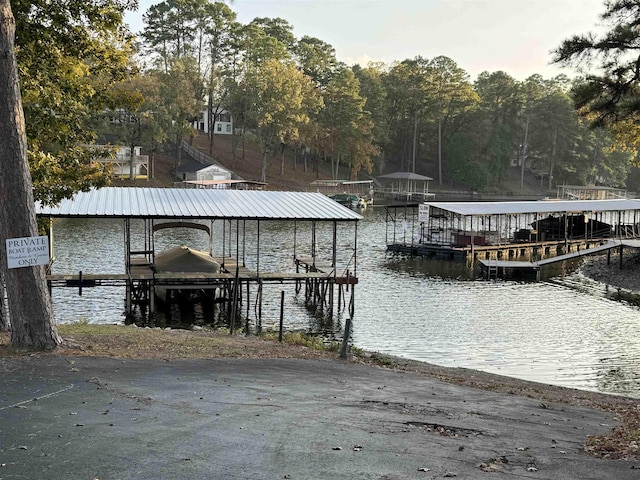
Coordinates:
x,y
531,270
142,280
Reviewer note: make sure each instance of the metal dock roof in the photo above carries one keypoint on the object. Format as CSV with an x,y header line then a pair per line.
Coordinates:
x,y
542,206
189,203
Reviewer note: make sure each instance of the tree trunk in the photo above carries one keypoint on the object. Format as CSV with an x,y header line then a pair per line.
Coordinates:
x,y
414,146
243,142
265,163
4,310
524,153
295,158
554,152
29,304
440,150
132,163
178,150
211,120
282,160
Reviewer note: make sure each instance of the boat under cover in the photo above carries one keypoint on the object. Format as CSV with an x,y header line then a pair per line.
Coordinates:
x,y
185,259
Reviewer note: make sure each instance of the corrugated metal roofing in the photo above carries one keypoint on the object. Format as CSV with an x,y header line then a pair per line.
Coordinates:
x,y
406,176
193,203
543,206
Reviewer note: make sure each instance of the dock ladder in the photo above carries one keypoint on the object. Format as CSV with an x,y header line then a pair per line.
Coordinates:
x,y
492,270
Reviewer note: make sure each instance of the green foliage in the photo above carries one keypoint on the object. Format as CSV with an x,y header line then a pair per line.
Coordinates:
x,y
136,114
497,154
278,100
377,106
612,94
276,28
402,114
463,166
476,176
68,53
316,58
347,129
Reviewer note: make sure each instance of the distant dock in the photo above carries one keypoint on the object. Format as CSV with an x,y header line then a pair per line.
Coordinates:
x,y
512,239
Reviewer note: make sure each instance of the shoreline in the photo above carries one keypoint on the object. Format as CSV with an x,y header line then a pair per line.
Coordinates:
x,y
597,268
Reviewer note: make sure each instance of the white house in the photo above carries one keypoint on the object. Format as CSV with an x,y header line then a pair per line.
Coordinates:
x,y
121,162
222,125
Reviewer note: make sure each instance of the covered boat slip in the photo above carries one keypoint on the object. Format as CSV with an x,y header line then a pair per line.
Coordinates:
x,y
530,230
234,221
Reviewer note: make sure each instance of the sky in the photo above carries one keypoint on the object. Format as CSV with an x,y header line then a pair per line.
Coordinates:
x,y
515,36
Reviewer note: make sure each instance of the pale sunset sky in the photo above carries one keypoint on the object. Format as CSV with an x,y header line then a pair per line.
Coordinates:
x,y
515,36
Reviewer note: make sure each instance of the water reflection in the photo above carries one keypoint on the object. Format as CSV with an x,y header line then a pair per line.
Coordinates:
x,y
566,330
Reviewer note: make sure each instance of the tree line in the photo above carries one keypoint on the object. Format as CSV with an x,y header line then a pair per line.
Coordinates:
x,y
291,96
420,115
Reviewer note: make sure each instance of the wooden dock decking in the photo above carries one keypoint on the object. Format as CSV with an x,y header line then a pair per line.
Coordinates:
x,y
531,270
145,273
142,281
495,252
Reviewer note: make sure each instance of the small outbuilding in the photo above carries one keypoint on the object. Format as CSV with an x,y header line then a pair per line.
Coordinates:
x,y
196,171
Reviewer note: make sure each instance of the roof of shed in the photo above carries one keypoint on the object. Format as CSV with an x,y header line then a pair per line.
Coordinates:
x,y
543,206
198,167
195,203
406,176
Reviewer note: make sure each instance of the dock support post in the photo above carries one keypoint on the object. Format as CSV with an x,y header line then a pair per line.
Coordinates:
x,y
621,249
281,316
331,294
248,299
128,297
235,299
260,301
152,300
345,339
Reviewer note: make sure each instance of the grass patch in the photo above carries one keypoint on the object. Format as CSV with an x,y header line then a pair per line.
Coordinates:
x,y
120,341
304,340
83,338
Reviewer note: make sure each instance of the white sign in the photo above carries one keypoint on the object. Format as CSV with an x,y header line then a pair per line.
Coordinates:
x,y
423,213
27,251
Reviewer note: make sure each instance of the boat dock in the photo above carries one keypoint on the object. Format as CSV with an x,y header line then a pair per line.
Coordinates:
x,y
142,281
503,233
224,278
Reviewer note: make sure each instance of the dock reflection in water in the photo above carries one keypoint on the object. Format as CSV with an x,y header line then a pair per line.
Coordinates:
x,y
567,330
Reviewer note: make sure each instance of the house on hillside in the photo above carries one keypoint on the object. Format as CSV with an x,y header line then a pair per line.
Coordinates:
x,y
121,163
222,124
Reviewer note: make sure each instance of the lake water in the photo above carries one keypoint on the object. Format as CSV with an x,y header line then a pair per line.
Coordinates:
x,y
567,330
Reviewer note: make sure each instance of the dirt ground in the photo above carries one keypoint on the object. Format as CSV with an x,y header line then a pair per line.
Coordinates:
x,y
245,162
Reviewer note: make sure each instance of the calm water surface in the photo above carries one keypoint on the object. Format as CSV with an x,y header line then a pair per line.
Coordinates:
x,y
567,330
